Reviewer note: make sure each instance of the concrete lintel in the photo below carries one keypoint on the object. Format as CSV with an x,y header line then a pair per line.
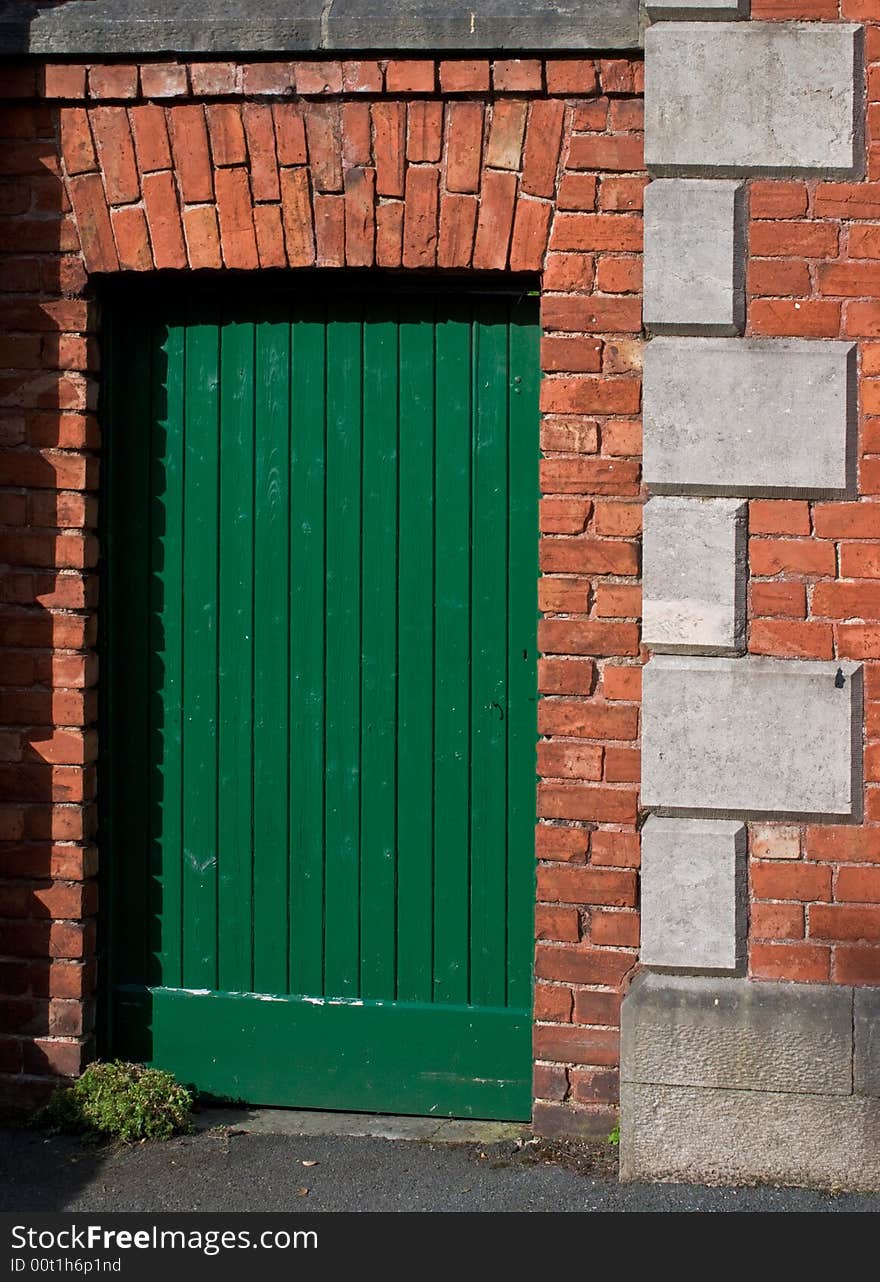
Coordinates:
x,y
85,28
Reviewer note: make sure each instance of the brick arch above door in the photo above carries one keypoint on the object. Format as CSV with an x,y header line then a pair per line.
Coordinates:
x,y
488,183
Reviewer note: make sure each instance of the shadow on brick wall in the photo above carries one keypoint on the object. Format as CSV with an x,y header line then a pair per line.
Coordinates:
x,y
16,17
48,595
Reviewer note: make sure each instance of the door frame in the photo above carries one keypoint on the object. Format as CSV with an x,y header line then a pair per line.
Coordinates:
x,y
264,286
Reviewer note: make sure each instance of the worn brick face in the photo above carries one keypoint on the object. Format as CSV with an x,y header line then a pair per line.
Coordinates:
x,y
192,158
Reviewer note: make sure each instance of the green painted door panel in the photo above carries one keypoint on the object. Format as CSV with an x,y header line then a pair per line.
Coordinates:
x,y
320,675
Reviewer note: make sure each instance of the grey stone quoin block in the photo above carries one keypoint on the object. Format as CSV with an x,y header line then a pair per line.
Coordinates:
x,y
697,1030
693,894
749,416
752,737
694,256
694,565
753,97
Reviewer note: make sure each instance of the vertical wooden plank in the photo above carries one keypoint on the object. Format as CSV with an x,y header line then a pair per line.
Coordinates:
x,y
489,659
271,575
522,680
166,646
415,744
199,693
379,652
343,677
452,538
343,653
307,490
235,650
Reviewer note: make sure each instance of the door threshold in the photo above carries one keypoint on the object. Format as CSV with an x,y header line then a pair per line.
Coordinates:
x,y
293,1121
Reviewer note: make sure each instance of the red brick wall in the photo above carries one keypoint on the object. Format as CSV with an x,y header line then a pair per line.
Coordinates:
x,y
814,272
516,165
519,164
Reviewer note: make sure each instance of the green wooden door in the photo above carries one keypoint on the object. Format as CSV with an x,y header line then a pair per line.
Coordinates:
x,y
321,540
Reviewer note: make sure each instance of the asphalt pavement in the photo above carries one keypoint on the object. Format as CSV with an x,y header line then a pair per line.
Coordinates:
x,y
251,1164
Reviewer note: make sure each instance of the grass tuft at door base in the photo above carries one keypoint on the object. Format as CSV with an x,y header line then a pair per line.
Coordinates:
x,y
123,1101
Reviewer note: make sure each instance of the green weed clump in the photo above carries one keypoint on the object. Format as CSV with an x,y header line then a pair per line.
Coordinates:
x,y
124,1101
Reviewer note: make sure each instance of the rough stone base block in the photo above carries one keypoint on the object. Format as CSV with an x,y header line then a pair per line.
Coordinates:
x,y
866,1039
741,1082
688,1030
687,1133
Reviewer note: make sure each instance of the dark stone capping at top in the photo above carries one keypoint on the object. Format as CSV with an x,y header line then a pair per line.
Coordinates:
x,y
93,28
